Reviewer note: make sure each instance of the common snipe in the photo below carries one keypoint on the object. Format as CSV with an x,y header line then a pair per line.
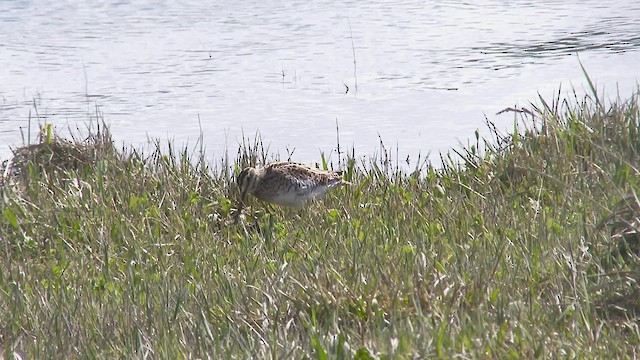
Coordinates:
x,y
286,183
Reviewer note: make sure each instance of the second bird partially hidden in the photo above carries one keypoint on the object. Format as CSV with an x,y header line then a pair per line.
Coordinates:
x,y
286,183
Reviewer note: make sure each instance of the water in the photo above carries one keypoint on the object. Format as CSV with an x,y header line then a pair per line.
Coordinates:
x,y
427,73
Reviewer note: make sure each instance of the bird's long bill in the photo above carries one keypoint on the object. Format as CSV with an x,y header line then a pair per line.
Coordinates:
x,y
243,196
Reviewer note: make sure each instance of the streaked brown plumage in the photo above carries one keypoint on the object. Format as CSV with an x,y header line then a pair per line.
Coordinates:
x,y
286,183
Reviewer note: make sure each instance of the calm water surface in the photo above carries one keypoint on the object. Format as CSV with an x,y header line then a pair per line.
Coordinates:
x,y
427,72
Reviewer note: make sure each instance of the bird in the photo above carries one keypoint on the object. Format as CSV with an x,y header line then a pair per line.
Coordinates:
x,y
287,183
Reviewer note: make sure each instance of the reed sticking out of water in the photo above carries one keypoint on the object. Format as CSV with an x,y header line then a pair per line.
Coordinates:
x,y
353,51
526,248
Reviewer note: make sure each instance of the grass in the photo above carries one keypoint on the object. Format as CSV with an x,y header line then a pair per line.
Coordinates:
x,y
519,246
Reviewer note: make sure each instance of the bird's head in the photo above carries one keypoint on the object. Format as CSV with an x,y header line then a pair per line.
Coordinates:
x,y
247,182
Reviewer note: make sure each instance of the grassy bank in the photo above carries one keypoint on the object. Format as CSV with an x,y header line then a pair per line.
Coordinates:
x,y
527,249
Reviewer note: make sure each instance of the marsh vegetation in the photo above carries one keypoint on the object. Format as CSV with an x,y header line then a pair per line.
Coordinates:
x,y
520,245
